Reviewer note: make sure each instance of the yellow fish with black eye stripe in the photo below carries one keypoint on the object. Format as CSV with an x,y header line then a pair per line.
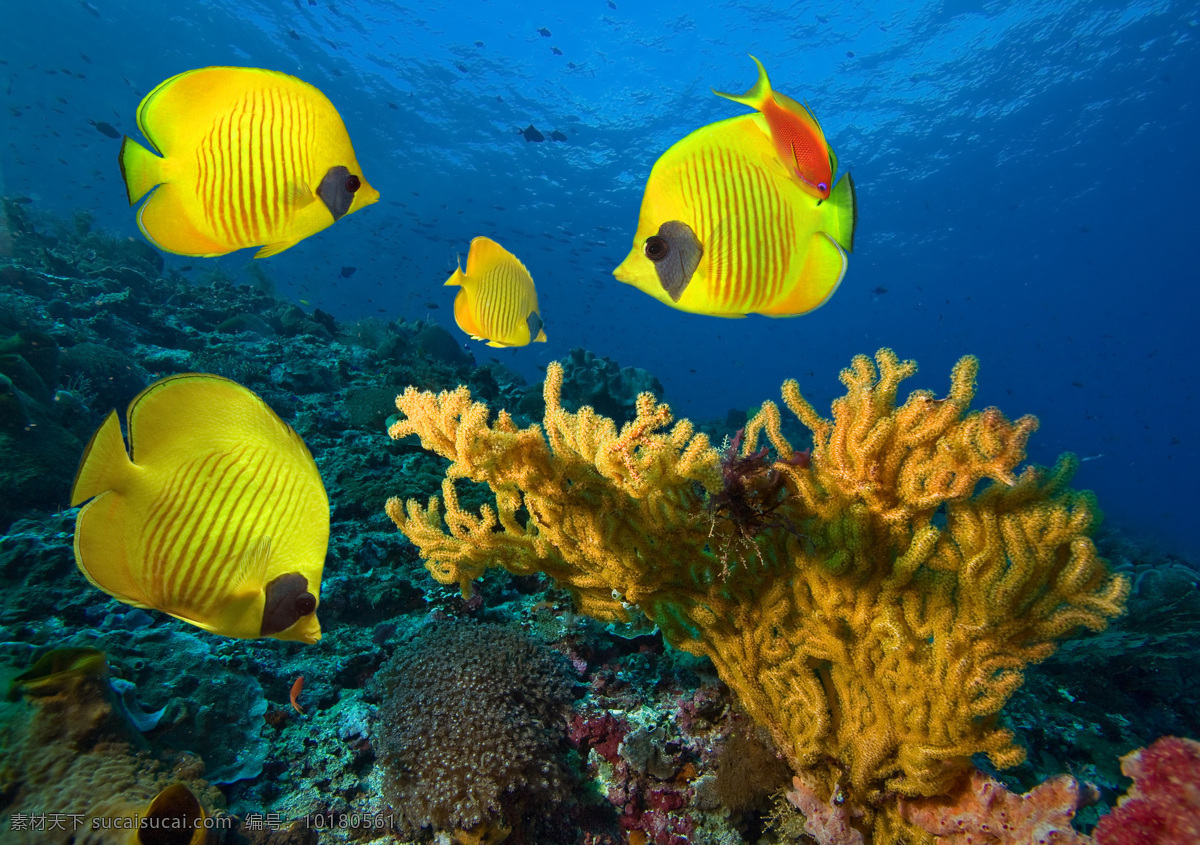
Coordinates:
x,y
249,157
726,228
497,301
216,514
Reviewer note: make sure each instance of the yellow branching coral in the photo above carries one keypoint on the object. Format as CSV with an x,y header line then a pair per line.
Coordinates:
x,y
885,615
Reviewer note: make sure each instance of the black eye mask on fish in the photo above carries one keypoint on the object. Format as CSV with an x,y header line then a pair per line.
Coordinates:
x,y
676,253
337,190
288,599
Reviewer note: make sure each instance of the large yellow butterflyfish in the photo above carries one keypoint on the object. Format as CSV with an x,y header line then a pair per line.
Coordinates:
x,y
726,229
250,157
497,301
216,514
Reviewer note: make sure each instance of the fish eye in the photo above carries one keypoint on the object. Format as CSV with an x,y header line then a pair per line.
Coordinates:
x,y
353,183
656,248
821,186
306,603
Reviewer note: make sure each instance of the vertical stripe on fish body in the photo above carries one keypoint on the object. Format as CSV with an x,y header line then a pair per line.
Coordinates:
x,y
250,158
746,236
497,301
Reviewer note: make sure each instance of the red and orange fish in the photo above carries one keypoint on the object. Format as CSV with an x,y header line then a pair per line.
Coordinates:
x,y
795,133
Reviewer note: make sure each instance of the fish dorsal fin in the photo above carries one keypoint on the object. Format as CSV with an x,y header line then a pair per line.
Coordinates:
x,y
186,416
167,115
486,254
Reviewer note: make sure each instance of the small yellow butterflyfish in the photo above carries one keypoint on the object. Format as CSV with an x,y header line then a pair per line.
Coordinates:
x,y
497,301
174,817
249,157
726,229
216,513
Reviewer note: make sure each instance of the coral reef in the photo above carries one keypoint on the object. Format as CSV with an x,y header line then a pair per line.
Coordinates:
x,y
877,633
87,318
72,767
1163,805
471,726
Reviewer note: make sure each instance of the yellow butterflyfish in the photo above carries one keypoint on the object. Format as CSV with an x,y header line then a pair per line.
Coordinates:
x,y
497,301
216,513
249,157
726,229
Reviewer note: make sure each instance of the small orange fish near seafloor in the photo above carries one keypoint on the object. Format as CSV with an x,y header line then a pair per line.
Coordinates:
x,y
296,688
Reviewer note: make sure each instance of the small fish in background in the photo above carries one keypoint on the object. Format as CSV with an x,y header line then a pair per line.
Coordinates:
x,y
216,513
347,272
497,302
294,696
556,51
105,128
531,134
557,136
795,133
726,229
542,31
250,157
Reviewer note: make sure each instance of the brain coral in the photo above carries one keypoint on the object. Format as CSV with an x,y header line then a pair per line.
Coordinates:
x,y
471,725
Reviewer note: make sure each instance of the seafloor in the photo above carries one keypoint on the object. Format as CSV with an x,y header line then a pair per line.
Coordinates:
x,y
634,741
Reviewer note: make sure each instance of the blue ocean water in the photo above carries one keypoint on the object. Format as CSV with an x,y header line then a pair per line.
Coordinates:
x,y
1026,177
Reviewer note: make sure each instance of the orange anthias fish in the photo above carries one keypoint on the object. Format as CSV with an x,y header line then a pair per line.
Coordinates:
x,y
795,133
297,686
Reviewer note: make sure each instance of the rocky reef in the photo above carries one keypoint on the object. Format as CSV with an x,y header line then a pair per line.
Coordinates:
x,y
594,733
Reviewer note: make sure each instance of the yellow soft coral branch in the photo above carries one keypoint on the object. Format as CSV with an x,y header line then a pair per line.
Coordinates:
x,y
885,613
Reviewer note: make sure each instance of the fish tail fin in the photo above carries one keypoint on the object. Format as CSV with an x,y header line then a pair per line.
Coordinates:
x,y
759,93
140,168
843,204
105,464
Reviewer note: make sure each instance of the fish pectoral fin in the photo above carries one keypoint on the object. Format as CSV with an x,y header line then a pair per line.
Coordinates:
x,y
275,248
297,195
250,572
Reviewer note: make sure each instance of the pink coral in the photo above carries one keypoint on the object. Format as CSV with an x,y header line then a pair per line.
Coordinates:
x,y
1163,805
829,824
984,812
